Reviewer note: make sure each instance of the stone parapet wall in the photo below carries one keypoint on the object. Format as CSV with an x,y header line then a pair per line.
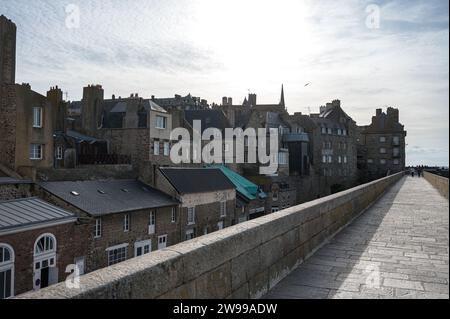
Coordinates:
x,y
438,182
242,261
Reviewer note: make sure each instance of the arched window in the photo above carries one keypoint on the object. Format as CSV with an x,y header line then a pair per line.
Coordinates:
x,y
6,271
45,244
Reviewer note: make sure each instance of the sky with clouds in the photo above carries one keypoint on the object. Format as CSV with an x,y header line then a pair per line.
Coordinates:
x,y
215,48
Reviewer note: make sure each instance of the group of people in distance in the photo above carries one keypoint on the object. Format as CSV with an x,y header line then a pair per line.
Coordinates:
x,y
416,171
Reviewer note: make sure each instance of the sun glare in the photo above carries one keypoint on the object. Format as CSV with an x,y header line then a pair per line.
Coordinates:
x,y
251,34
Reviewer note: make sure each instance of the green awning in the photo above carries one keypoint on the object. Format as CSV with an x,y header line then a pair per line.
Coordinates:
x,y
247,189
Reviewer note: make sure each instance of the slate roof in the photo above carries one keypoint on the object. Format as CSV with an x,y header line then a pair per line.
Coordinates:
x,y
120,106
106,197
20,213
196,180
208,118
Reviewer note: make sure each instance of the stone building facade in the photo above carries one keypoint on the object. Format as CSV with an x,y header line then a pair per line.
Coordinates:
x,y
334,148
39,251
8,32
11,188
26,130
124,218
381,146
134,127
207,197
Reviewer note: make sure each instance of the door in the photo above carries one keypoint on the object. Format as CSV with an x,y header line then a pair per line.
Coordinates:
x,y
142,248
80,262
37,276
6,283
162,242
45,272
190,234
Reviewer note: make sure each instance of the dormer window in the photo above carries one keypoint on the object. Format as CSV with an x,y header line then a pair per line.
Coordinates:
x,y
37,117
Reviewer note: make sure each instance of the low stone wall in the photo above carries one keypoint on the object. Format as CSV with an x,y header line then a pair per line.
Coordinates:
x,y
438,182
88,172
243,261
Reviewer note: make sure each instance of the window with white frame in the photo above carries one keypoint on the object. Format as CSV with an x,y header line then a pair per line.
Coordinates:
x,y
191,215
369,161
339,159
161,122
330,159
152,223
396,162
59,153
98,228
344,132
324,130
156,148
6,271
382,161
345,159
382,150
37,117
339,131
36,151
142,248
330,131
117,254
126,223
324,159
223,209
382,139
45,244
166,149
174,215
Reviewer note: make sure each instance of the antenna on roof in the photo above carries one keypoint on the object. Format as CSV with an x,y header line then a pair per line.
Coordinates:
x,y
67,95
